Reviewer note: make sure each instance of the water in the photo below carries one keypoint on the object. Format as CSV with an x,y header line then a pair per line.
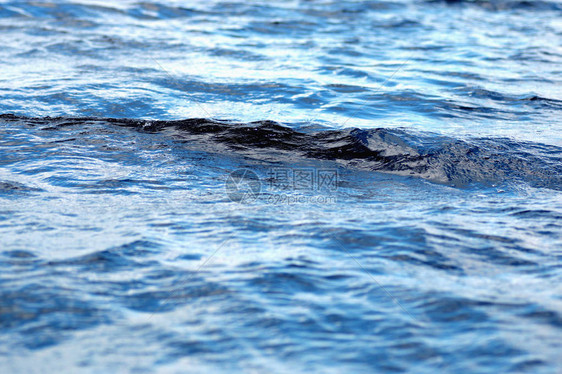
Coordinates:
x,y
291,186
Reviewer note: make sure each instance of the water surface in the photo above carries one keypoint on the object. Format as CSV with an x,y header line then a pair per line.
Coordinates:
x,y
286,186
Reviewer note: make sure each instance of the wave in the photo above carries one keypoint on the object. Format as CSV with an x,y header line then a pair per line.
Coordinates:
x,y
437,158
498,5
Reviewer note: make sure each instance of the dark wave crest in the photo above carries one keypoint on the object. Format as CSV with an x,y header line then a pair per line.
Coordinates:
x,y
433,157
498,5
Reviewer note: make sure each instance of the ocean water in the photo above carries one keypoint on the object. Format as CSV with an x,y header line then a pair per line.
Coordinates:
x,y
281,186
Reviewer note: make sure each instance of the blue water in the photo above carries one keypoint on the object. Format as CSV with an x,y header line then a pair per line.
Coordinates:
x,y
281,187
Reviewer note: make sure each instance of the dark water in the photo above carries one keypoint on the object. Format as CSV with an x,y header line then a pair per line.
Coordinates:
x,y
273,187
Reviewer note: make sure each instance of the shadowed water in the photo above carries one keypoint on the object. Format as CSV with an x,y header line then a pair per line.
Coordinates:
x,y
300,186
